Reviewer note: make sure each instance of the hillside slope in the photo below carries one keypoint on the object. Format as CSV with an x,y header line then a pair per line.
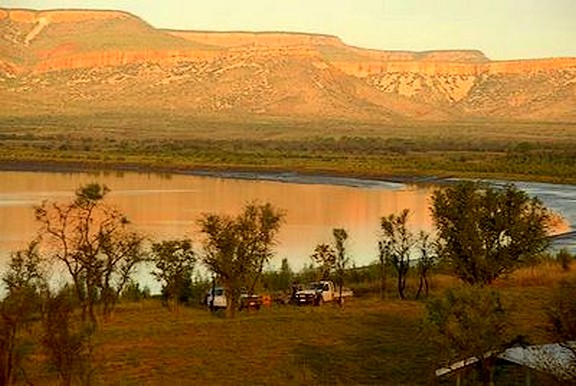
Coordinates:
x,y
71,61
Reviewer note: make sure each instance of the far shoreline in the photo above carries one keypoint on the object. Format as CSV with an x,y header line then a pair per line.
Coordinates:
x,y
245,173
307,176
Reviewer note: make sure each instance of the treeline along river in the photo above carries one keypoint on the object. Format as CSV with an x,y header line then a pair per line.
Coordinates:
x,y
168,206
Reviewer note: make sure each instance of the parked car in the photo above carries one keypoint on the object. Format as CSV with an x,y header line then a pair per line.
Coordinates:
x,y
218,295
319,292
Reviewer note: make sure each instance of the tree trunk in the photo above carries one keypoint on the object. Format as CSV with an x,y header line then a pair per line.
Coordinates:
x,y
231,302
420,286
382,280
400,285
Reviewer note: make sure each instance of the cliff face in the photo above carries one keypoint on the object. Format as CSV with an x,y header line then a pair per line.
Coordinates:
x,y
85,56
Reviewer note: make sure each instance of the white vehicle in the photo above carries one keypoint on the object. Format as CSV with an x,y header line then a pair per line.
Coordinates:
x,y
319,292
218,295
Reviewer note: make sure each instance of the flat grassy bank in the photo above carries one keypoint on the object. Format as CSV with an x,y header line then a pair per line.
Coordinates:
x,y
405,151
368,341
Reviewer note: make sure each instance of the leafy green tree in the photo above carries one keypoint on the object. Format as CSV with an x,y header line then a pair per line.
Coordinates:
x,y
237,248
469,322
258,228
174,262
396,244
95,244
486,232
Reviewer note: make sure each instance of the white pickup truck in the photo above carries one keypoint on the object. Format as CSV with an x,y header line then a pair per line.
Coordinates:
x,y
319,292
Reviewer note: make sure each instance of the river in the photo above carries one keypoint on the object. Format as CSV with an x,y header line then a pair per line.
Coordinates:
x,y
166,206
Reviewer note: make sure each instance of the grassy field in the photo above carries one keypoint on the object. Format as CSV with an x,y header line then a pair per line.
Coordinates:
x,y
368,341
503,150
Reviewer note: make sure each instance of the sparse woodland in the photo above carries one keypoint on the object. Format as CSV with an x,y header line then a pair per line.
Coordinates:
x,y
102,327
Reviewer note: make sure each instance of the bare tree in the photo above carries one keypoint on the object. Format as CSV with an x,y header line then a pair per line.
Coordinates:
x,y
426,261
396,244
94,243
236,248
342,258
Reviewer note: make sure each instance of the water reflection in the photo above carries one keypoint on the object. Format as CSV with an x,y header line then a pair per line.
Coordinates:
x,y
168,206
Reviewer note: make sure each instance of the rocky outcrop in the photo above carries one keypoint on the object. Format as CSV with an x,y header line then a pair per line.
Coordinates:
x,y
265,72
365,69
361,63
117,59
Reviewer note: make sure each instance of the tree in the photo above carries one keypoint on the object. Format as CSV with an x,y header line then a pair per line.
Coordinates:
x,y
68,344
562,311
468,322
325,257
278,280
486,232
426,261
237,248
564,258
94,243
383,262
258,228
396,244
24,281
562,317
342,260
174,262
285,276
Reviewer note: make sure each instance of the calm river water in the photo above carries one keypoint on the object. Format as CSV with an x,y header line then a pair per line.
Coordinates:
x,y
167,206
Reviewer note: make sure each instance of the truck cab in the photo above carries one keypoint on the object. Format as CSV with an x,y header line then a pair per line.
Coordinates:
x,y
319,292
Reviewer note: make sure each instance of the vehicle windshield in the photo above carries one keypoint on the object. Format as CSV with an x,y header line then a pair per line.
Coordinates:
x,y
315,286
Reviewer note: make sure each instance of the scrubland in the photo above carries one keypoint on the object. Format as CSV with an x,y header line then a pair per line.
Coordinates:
x,y
404,150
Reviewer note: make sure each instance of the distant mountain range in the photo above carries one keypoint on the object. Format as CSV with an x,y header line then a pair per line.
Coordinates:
x,y
73,61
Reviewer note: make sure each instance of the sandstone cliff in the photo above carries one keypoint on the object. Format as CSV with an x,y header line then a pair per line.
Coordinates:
x,y
107,58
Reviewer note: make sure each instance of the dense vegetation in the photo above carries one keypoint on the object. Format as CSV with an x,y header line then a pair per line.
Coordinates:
x,y
514,151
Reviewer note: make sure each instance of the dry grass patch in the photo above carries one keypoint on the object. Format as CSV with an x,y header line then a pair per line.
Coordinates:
x,y
365,342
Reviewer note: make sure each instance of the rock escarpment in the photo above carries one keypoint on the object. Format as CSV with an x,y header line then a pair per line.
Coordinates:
x,y
107,58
